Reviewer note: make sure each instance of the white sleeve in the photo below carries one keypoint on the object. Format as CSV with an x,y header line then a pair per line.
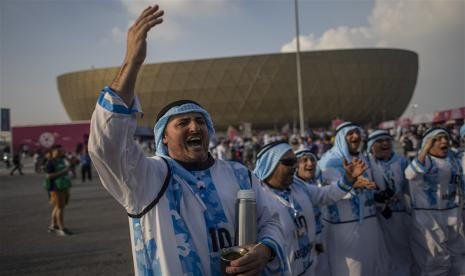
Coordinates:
x,y
332,177
131,177
416,169
269,226
326,194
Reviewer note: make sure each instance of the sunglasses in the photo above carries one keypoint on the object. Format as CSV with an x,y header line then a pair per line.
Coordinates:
x,y
289,162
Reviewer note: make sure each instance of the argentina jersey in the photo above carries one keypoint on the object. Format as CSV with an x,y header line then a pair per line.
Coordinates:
x,y
434,185
390,174
355,206
179,219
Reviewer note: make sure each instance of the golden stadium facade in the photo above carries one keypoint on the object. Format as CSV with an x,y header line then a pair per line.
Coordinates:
x,y
361,85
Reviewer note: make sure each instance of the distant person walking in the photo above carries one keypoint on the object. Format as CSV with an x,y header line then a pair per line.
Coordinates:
x,y
86,166
17,164
37,160
58,185
73,162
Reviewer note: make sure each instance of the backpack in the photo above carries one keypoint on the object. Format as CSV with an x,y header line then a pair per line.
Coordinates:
x,y
62,182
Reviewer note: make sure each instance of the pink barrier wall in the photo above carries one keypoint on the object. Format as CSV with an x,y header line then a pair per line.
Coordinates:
x,y
45,136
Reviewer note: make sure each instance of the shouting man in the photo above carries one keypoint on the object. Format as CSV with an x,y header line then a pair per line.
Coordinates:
x,y
180,202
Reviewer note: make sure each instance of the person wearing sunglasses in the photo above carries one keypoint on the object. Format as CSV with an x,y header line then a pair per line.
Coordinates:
x,y
393,200
295,200
436,187
354,241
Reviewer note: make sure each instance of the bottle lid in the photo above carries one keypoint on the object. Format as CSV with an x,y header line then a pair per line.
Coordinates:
x,y
246,194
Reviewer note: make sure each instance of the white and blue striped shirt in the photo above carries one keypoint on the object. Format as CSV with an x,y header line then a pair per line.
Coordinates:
x,y
182,233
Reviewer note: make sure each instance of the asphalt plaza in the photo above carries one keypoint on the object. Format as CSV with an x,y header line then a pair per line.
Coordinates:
x,y
100,244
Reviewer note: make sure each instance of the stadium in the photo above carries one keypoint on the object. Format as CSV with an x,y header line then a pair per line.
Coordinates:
x,y
361,85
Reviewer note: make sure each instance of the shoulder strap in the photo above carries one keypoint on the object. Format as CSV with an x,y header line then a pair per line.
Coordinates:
x,y
160,194
250,177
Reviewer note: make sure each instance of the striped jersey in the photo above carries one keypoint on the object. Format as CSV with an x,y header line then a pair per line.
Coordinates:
x,y
356,205
177,227
390,174
435,185
295,206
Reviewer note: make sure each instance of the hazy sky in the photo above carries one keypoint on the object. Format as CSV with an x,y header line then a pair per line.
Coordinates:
x,y
40,40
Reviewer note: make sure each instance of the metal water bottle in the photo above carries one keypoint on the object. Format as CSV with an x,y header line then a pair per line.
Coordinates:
x,y
246,218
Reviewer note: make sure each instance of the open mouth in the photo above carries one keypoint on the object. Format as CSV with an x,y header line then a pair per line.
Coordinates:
x,y
354,144
444,147
194,142
311,169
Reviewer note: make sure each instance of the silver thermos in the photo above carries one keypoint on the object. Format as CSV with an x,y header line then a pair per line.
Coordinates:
x,y
246,218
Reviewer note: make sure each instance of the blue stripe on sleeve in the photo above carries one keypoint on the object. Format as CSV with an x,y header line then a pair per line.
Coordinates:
x,y
115,108
272,244
418,167
341,184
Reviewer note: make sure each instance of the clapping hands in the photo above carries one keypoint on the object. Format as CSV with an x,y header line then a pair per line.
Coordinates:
x,y
354,171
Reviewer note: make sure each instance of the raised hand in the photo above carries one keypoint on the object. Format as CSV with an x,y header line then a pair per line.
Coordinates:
x,y
125,81
137,34
354,169
425,150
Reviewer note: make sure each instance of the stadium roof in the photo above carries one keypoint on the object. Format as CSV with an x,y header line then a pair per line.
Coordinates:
x,y
360,85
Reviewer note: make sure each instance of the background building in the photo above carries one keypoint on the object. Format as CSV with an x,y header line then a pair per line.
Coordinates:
x,y
361,85
43,137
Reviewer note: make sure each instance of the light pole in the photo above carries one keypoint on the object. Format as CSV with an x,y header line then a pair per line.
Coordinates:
x,y
299,71
414,108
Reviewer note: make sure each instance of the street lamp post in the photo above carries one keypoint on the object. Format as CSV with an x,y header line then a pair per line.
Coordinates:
x,y
414,108
299,71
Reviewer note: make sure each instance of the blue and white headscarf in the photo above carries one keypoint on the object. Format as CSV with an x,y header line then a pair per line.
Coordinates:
x,y
305,152
269,157
160,126
377,135
340,146
431,133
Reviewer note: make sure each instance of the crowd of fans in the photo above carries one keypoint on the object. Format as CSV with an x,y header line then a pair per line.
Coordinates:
x,y
244,149
320,140
410,138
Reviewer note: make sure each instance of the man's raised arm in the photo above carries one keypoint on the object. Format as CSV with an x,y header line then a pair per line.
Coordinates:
x,y
136,51
126,172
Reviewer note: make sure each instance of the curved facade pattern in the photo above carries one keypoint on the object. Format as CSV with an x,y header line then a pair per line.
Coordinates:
x,y
361,85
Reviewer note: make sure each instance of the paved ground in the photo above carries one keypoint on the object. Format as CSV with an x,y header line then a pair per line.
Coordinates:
x,y
100,246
